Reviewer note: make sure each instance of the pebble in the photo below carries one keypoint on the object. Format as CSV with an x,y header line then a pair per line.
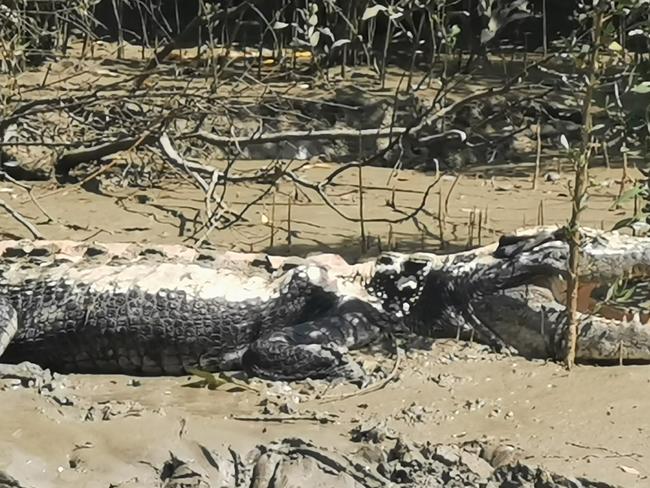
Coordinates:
x,y
552,176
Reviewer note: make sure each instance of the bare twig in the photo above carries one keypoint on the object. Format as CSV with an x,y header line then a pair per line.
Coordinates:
x,y
321,418
22,220
370,388
453,185
538,156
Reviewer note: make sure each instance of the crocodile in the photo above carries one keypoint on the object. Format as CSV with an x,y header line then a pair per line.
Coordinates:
x,y
167,310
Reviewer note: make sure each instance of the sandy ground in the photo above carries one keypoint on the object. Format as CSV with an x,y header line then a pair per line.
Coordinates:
x,y
590,422
98,431
503,196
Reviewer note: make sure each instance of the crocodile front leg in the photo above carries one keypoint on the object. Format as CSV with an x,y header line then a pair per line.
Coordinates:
x,y
317,348
8,324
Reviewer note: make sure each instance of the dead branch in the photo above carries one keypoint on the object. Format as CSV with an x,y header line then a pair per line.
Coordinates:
x,y
29,189
314,417
70,159
166,51
290,136
319,188
22,220
310,135
196,170
371,388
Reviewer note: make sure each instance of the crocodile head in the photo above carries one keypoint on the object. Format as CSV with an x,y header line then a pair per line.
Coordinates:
x,y
438,295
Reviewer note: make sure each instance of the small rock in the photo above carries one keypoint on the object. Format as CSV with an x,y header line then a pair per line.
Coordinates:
x,y
374,433
494,413
414,414
288,408
62,400
449,455
476,465
268,407
473,405
297,472
499,454
29,374
371,454
278,389
406,454
177,474
552,176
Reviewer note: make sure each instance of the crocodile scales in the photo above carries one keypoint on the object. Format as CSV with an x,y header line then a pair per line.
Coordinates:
x,y
150,310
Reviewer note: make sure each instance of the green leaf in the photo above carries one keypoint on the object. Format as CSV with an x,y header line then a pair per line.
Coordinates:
x,y
371,12
340,42
209,380
627,294
215,381
631,194
615,46
627,222
314,37
643,87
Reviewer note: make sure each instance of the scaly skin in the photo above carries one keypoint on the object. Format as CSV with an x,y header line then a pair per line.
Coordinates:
x,y
167,309
152,316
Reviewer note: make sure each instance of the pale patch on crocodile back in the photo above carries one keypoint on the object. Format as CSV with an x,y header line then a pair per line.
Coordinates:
x,y
8,324
195,280
610,255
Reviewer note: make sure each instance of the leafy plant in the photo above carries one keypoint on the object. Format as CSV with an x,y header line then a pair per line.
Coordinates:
x,y
215,381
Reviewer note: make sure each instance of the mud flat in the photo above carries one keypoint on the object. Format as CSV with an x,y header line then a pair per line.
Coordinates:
x,y
455,412
452,410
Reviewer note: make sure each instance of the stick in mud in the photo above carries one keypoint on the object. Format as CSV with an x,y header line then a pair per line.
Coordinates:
x,y
538,157
362,227
453,185
620,353
441,221
624,176
22,220
605,154
272,236
289,222
471,219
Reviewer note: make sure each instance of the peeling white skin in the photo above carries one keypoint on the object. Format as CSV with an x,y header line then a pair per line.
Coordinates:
x,y
196,280
605,252
8,326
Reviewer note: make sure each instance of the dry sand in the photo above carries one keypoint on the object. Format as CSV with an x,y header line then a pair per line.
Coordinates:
x,y
591,422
